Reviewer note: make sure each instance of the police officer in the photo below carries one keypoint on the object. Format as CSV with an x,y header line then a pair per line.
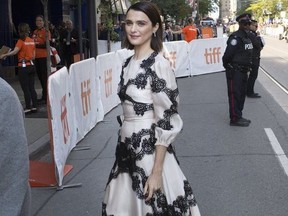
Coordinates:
x,y
257,47
237,61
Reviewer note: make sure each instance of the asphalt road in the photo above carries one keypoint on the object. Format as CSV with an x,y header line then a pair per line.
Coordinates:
x,y
275,59
233,171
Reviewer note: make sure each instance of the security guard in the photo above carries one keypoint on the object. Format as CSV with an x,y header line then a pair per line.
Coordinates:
x,y
237,61
257,47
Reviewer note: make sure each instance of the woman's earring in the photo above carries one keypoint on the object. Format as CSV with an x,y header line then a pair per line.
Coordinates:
x,y
154,34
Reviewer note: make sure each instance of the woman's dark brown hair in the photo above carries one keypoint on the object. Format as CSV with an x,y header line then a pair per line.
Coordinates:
x,y
23,30
153,14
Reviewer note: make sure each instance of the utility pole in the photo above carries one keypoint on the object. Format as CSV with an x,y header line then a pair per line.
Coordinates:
x,y
80,40
48,62
198,12
92,28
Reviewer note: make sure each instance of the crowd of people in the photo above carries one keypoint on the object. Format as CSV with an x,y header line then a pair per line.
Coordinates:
x,y
32,54
31,51
188,31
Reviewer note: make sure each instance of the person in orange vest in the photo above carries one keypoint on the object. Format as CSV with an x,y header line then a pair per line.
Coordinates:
x,y
190,31
39,36
25,48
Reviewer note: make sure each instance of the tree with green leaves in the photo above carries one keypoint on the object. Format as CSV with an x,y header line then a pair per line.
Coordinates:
x,y
180,9
207,6
107,18
263,8
176,9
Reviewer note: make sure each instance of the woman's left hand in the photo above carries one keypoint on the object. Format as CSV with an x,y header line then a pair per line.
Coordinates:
x,y
153,183
3,56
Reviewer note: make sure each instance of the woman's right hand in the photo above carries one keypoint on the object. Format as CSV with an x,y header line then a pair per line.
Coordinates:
x,y
153,183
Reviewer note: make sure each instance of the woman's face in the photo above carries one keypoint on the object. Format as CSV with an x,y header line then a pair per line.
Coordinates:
x,y
39,22
139,28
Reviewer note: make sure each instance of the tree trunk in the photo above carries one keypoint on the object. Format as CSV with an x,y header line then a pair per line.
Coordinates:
x,y
48,62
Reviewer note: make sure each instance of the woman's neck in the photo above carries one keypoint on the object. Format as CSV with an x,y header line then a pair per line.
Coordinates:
x,y
140,53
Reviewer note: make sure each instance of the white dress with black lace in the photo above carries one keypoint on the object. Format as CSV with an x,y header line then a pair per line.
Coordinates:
x,y
149,98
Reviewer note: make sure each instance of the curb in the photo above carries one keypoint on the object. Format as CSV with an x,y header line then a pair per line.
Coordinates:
x,y
39,145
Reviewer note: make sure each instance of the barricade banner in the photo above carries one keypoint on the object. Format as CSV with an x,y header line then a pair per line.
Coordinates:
x,y
86,95
206,55
115,46
108,69
220,32
62,119
176,52
103,46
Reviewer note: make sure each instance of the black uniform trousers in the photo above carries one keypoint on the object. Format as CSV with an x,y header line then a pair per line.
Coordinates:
x,y
41,68
26,79
68,56
236,83
253,76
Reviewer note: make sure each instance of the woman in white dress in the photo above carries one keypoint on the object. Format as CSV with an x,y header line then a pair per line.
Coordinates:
x,y
146,178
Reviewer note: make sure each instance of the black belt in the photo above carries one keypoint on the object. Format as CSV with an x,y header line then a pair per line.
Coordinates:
x,y
242,67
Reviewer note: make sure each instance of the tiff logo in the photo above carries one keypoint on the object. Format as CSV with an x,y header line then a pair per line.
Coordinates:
x,y
64,119
108,82
212,56
85,97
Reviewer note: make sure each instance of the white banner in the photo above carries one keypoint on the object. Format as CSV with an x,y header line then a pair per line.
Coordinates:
x,y
177,53
87,96
108,69
219,31
62,119
103,46
206,55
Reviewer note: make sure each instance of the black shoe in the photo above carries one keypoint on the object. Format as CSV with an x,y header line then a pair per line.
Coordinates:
x,y
240,123
247,120
27,110
254,95
34,110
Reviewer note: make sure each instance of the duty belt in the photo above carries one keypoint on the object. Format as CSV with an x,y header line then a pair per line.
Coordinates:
x,y
242,67
26,63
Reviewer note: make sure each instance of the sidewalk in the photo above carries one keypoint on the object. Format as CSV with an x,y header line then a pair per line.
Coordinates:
x,y
36,124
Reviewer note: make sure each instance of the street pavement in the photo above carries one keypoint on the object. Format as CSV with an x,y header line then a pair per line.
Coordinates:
x,y
233,170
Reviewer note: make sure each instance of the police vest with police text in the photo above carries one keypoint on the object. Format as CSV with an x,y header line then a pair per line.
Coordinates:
x,y
243,56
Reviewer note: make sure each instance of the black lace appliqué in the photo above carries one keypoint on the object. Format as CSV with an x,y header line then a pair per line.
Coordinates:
x,y
179,206
142,143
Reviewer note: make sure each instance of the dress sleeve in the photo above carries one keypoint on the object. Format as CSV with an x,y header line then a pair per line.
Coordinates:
x,y
165,95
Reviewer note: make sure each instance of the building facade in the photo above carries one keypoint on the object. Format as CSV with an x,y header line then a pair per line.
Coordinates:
x,y
228,10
